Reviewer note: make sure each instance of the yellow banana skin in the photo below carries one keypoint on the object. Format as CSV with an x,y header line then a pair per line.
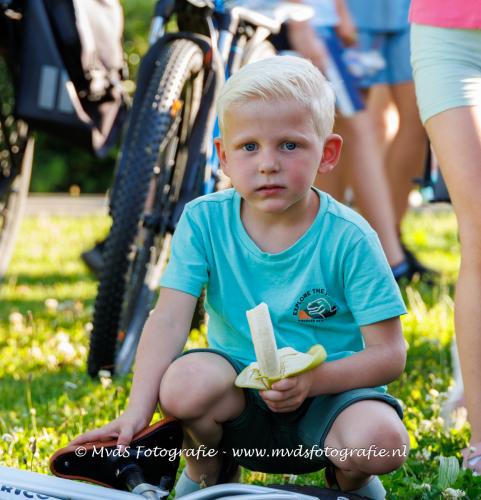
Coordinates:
x,y
290,361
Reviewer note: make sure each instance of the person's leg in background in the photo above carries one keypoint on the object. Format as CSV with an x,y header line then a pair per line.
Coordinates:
x,y
460,159
383,113
447,72
407,151
361,161
404,152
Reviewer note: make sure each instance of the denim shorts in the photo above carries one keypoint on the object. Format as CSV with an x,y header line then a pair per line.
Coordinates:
x,y
394,47
287,443
447,68
346,88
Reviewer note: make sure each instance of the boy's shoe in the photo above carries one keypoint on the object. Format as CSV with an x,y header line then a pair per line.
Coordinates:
x,y
374,489
94,258
185,485
229,473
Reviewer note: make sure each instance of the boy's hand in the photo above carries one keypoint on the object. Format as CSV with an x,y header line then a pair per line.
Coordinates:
x,y
288,394
122,428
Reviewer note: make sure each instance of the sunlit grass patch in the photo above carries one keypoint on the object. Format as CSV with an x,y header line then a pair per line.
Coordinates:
x,y
46,306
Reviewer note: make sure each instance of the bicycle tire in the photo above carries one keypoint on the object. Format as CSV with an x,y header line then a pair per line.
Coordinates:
x,y
153,132
12,207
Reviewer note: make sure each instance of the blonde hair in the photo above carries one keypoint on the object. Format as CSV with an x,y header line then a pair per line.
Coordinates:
x,y
282,77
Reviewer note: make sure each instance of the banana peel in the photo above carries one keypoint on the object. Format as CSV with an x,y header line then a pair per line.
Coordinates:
x,y
273,364
292,363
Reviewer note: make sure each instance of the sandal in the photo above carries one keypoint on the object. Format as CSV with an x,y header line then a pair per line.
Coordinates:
x,y
472,458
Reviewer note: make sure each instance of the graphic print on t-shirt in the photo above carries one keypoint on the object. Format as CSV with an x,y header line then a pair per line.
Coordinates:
x,y
314,305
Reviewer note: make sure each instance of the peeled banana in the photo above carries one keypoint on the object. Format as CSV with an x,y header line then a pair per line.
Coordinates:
x,y
273,364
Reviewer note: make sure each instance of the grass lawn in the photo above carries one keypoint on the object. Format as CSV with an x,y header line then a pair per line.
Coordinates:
x,y
46,398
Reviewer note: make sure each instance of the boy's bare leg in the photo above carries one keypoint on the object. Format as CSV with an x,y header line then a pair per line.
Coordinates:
x,y
456,137
362,159
366,425
406,154
199,390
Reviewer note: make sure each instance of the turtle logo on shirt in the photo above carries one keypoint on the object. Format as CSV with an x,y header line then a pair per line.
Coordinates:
x,y
314,305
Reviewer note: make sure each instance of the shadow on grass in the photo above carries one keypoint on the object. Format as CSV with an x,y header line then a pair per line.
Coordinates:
x,y
48,279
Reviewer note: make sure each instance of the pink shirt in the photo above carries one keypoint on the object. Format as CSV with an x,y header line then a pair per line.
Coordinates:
x,y
447,13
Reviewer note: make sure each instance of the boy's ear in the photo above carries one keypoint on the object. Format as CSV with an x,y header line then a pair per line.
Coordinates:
x,y
219,146
331,153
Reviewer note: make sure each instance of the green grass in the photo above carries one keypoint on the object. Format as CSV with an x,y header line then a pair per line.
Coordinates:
x,y
47,399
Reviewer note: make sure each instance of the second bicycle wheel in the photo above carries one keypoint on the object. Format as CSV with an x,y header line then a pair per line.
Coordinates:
x,y
137,246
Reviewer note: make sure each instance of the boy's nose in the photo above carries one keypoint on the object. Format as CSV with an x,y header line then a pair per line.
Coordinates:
x,y
268,165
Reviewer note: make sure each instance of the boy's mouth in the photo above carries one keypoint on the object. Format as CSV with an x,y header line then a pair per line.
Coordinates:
x,y
270,189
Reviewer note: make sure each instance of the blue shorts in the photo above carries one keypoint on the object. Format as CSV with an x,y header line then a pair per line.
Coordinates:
x,y
346,87
395,49
447,68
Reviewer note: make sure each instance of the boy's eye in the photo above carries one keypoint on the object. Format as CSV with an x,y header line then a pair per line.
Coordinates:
x,y
290,146
251,146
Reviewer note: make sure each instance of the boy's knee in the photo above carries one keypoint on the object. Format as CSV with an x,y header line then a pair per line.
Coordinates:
x,y
192,385
382,450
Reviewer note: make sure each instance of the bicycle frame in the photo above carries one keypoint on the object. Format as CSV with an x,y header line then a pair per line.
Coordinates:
x,y
18,483
216,30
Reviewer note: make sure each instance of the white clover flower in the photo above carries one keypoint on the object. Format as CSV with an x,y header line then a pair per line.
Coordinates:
x,y
8,438
51,305
452,493
16,319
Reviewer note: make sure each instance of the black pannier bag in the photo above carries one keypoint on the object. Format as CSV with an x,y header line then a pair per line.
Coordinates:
x,y
71,70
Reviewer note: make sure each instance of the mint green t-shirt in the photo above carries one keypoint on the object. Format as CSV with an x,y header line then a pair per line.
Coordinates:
x,y
320,290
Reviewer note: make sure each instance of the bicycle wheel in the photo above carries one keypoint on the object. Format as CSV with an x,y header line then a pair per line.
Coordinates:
x,y
16,156
137,246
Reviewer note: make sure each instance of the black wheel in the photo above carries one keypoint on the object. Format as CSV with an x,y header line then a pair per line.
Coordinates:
x,y
12,206
137,246
16,155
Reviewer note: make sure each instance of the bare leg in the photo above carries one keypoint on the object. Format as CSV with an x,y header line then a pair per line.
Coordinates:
x,y
366,174
384,115
405,156
199,390
456,138
363,426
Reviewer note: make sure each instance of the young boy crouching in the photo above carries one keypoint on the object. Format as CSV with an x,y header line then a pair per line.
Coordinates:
x,y
320,268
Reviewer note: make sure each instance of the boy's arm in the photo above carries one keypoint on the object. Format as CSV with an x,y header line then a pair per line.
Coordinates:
x,y
163,338
381,362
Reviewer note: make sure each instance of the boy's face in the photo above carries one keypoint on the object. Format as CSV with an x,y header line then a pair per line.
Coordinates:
x,y
272,153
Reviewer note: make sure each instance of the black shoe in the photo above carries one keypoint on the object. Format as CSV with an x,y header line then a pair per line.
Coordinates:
x,y
417,267
94,258
425,274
